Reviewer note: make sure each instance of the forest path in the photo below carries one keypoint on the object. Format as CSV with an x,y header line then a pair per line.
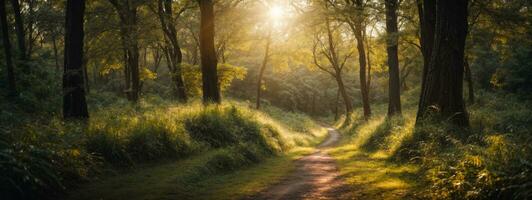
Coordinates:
x,y
316,177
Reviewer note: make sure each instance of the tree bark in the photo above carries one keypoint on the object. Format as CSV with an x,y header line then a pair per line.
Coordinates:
x,y
74,103
209,73
444,60
469,79
11,83
19,29
263,68
394,95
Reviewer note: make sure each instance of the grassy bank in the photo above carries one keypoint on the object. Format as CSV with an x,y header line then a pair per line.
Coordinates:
x,y
46,156
390,158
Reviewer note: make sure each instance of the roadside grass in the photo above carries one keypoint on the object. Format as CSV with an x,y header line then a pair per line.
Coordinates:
x,y
363,157
391,158
45,157
186,180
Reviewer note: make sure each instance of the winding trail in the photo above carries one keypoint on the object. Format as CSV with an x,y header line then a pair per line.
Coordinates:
x,y
316,177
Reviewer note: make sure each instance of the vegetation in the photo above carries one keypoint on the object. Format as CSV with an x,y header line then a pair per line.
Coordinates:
x,y
110,99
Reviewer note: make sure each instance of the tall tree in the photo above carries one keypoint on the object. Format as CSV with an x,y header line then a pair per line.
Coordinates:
x,y
330,51
127,11
443,33
355,21
174,54
12,87
19,28
74,103
394,95
209,72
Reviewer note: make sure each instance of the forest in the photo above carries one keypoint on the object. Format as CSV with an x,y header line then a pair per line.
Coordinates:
x,y
265,99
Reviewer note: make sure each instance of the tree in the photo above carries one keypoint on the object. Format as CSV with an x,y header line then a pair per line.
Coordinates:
x,y
19,28
330,51
263,66
355,21
74,103
11,83
173,52
127,11
443,33
394,95
209,73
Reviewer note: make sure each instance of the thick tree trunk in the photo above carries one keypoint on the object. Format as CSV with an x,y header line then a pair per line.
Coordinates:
x,y
262,69
394,95
74,103
443,74
11,83
209,73
19,28
469,80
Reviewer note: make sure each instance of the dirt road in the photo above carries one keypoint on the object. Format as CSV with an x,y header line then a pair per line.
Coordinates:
x,y
315,177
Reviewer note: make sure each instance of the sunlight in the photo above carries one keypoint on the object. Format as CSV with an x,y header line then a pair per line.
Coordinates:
x,y
276,13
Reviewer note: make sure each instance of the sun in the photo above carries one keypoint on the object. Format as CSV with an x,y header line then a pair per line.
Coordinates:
x,y
277,12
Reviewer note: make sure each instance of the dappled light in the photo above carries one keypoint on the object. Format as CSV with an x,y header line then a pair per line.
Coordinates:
x,y
265,99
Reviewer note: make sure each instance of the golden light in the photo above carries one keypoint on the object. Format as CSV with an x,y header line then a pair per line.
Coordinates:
x,y
276,12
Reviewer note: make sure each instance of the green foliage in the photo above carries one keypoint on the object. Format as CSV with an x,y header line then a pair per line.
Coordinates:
x,y
489,161
48,155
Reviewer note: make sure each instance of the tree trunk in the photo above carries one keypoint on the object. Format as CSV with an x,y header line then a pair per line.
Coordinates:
x,y
127,11
345,96
336,114
469,80
364,90
394,95
166,18
19,28
369,65
209,73
11,83
263,68
443,74
74,103
31,21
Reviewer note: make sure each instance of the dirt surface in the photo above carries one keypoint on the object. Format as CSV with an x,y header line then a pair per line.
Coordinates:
x,y
316,177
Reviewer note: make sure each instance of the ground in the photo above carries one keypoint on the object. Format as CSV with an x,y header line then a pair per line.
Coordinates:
x,y
332,170
316,176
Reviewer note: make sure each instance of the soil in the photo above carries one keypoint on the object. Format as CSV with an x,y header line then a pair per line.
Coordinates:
x,y
316,177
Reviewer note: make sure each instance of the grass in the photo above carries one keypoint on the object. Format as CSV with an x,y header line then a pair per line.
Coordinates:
x,y
363,157
47,156
180,180
391,158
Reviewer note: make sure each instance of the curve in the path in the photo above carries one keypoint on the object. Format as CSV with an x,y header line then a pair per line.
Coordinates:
x,y
316,177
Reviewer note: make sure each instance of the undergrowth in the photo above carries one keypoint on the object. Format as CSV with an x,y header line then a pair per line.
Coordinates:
x,y
491,160
43,156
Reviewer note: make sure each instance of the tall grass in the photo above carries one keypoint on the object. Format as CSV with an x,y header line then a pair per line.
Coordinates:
x,y
43,156
491,160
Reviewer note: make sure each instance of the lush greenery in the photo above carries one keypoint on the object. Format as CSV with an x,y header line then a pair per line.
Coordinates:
x,y
49,155
491,160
